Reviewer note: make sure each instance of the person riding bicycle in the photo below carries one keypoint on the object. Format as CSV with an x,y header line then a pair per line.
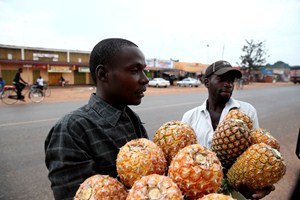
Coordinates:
x,y
40,83
2,84
19,83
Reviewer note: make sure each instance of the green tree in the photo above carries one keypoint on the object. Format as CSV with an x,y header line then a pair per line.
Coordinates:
x,y
255,55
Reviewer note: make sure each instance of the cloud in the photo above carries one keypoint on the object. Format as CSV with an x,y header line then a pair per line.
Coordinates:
x,y
163,29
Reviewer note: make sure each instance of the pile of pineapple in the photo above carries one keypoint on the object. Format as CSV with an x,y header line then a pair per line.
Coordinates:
x,y
173,166
247,153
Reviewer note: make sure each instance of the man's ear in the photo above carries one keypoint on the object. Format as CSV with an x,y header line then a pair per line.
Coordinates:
x,y
101,72
206,82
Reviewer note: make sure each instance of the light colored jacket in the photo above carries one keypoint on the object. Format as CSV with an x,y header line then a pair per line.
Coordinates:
x,y
200,120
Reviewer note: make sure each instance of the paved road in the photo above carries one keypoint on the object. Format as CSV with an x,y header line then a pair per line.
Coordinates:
x,y
24,126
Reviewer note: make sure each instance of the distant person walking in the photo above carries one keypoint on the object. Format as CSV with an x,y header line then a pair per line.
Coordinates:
x,y
240,83
62,81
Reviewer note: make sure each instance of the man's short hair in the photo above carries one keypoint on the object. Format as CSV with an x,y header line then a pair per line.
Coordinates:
x,y
105,51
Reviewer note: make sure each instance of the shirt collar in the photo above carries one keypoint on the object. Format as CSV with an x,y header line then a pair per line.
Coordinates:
x,y
108,112
203,106
232,103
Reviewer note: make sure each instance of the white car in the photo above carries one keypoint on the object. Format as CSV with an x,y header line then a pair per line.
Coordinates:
x,y
189,82
159,82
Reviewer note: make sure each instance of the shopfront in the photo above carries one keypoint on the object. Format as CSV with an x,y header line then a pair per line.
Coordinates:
x,y
56,72
81,76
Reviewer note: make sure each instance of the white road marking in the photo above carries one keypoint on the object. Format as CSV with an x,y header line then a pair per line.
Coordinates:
x,y
165,106
28,122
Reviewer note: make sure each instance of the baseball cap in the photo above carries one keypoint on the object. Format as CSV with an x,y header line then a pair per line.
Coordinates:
x,y
221,67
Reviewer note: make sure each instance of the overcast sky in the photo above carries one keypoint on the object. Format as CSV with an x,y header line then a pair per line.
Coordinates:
x,y
189,30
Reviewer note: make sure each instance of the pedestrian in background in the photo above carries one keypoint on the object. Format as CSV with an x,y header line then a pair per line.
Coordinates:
x,y
2,84
20,84
62,81
40,82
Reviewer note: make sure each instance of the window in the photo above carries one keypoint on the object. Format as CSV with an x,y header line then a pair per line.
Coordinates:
x,y
9,56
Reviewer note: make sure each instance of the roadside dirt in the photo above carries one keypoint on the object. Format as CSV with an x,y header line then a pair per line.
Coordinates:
x,y
75,93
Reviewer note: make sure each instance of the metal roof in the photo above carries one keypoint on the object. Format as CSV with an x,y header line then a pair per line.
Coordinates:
x,y
42,49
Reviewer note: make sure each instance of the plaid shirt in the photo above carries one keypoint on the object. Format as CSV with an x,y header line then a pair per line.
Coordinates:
x,y
86,142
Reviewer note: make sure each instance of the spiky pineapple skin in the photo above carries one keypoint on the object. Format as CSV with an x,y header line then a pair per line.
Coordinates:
x,y
259,166
173,136
137,158
238,114
155,186
259,135
215,196
196,170
100,187
231,138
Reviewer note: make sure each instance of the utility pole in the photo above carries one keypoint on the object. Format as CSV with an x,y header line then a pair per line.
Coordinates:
x,y
223,51
207,53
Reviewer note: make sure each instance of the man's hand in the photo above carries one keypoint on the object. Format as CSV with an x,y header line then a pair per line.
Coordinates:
x,y
249,193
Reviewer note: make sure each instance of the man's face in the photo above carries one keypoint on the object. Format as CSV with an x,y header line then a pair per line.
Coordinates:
x,y
127,80
221,87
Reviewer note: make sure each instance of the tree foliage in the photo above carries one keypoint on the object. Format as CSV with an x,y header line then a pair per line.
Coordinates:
x,y
255,55
278,64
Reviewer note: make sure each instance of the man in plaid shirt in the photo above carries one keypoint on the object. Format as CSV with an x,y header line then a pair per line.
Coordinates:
x,y
86,141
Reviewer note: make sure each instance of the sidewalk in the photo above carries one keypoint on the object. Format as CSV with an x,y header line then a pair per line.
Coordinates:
x,y
77,93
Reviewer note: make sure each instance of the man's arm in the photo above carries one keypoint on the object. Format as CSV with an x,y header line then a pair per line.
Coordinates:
x,y
23,80
68,162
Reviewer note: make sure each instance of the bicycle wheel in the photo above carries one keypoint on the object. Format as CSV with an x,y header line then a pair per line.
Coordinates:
x,y
36,95
47,92
9,96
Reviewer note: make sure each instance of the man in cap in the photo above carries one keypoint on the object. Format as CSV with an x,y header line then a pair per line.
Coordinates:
x,y
219,80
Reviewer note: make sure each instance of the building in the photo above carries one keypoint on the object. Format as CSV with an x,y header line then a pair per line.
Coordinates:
x,y
51,64
174,70
73,65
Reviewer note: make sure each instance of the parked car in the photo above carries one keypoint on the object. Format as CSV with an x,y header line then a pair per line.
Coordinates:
x,y
159,82
189,82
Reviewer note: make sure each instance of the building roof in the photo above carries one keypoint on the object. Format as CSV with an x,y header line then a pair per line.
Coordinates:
x,y
42,49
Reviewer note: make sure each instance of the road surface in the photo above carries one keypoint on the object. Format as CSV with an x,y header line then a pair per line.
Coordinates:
x,y
24,126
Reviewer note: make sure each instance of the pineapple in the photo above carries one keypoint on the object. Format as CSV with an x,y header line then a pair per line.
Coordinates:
x,y
259,166
231,139
101,187
173,136
155,186
196,170
215,196
237,114
138,158
259,135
